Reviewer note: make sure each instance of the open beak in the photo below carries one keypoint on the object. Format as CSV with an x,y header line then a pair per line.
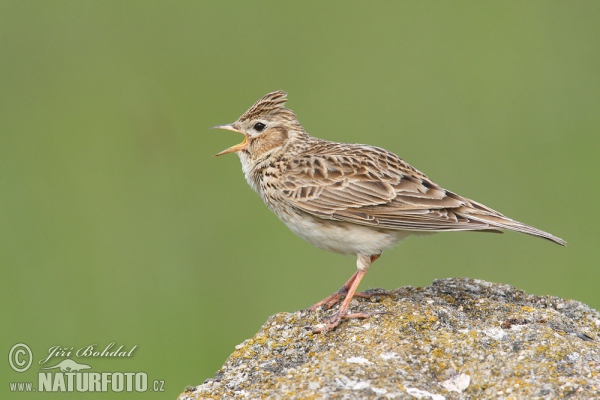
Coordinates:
x,y
237,147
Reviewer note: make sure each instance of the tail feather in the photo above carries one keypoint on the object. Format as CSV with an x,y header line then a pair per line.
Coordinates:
x,y
501,222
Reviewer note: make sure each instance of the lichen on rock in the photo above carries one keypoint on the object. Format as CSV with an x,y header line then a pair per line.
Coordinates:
x,y
458,338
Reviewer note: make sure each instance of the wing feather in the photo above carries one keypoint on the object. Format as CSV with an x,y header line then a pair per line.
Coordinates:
x,y
370,186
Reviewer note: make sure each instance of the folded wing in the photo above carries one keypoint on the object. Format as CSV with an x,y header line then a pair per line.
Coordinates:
x,y
370,186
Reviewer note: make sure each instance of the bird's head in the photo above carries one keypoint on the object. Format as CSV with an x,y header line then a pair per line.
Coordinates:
x,y
267,127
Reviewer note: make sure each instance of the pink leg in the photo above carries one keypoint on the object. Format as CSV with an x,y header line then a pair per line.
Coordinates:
x,y
335,298
351,289
329,301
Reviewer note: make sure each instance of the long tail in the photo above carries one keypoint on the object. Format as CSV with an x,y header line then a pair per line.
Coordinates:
x,y
494,219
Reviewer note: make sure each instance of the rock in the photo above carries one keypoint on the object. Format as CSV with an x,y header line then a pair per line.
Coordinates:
x,y
458,338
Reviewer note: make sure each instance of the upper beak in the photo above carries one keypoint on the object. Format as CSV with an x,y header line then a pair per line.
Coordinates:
x,y
237,147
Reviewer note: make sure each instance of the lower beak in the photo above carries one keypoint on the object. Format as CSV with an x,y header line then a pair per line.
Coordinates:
x,y
237,147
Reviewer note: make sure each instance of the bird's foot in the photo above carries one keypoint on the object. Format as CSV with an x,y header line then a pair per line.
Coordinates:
x,y
333,322
335,298
368,295
329,324
329,301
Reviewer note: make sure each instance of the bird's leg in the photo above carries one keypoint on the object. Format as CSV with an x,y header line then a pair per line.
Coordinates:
x,y
339,315
329,301
335,298
363,264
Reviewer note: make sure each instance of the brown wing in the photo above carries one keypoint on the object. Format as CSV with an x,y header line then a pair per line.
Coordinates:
x,y
371,186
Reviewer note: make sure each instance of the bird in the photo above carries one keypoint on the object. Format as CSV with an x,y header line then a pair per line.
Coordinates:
x,y
352,199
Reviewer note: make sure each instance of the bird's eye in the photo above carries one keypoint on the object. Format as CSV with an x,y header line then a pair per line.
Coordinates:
x,y
259,126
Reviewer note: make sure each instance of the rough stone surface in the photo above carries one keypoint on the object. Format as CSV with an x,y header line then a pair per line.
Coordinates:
x,y
458,338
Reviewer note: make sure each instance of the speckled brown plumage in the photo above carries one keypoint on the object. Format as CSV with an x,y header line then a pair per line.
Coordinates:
x,y
349,198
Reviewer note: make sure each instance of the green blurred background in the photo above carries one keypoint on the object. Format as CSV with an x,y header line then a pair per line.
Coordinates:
x,y
119,226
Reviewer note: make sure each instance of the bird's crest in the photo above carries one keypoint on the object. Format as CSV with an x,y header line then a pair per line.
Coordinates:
x,y
271,103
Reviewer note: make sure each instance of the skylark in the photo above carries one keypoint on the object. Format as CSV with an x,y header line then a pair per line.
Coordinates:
x,y
348,198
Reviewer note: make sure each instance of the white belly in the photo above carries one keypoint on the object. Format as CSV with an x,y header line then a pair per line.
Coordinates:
x,y
343,237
